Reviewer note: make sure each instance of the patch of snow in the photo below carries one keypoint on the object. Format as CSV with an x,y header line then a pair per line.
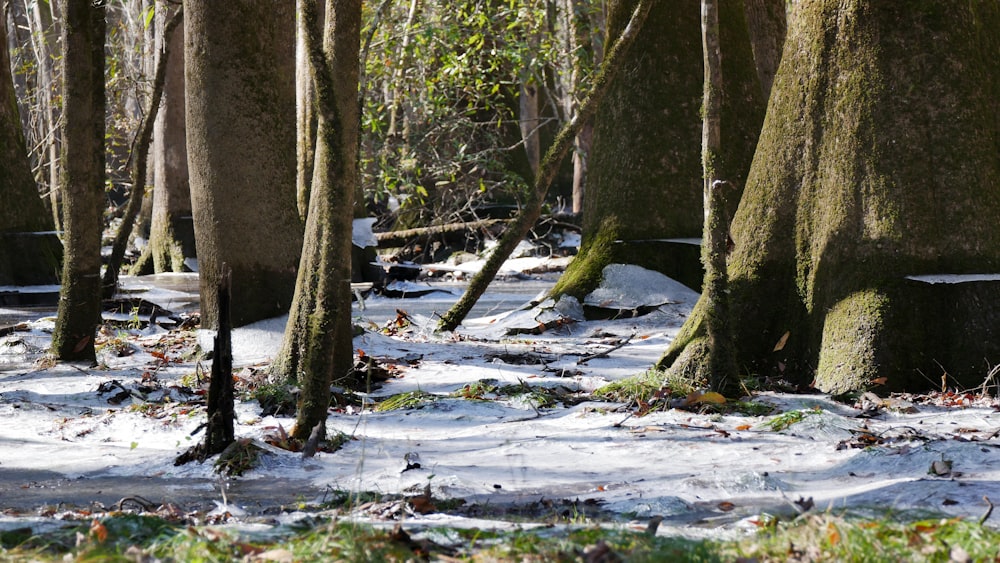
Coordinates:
x,y
362,234
954,278
626,286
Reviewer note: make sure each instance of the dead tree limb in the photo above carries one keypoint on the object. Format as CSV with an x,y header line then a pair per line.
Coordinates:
x,y
405,236
220,403
564,140
109,283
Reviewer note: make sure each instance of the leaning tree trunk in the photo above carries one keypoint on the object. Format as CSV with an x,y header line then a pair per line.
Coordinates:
x,y
171,236
82,183
139,159
29,251
643,201
532,208
240,108
317,347
877,168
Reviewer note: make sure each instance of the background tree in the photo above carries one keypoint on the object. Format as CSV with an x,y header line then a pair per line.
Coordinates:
x,y
82,181
317,347
240,109
882,164
171,237
27,256
767,23
37,68
645,174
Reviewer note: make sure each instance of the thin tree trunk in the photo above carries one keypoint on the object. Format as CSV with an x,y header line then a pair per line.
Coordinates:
x,y
140,158
550,165
317,347
83,179
43,42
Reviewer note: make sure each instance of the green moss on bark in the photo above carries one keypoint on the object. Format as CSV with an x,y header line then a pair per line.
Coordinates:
x,y
879,159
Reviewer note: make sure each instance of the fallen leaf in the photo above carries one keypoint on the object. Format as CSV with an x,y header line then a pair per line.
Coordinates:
x,y
726,506
743,427
98,531
782,341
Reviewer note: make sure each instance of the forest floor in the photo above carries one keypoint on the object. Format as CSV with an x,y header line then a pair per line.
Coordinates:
x,y
495,426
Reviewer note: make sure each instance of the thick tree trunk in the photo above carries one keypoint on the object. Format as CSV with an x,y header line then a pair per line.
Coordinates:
x,y
82,182
884,164
240,109
27,256
317,347
171,236
644,182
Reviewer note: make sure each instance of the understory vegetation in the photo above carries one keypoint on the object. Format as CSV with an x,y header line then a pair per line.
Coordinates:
x,y
823,537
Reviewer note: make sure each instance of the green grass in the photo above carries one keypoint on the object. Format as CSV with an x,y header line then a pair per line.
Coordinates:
x,y
820,537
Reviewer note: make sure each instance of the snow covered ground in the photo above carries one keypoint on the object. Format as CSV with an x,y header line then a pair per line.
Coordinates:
x,y
74,434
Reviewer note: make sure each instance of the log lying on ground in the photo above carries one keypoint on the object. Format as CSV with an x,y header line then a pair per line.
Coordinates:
x,y
423,234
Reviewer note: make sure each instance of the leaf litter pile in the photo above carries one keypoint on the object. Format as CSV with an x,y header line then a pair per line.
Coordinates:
x,y
527,418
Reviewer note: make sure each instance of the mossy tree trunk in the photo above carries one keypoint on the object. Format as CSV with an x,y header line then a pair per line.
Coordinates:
x,y
317,348
171,237
139,160
240,110
879,159
532,208
82,181
644,182
26,256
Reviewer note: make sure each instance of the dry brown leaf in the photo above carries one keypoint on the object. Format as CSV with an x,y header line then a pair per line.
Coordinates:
x,y
782,341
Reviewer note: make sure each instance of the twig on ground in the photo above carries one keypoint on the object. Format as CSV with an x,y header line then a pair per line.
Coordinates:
x,y
605,353
989,511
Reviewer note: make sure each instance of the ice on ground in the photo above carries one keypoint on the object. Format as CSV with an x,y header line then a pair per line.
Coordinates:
x,y
626,286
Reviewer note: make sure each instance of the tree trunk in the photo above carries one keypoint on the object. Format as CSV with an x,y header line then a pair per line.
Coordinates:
x,y
644,182
44,41
240,110
82,183
29,252
532,208
171,236
139,160
317,347
883,164
767,24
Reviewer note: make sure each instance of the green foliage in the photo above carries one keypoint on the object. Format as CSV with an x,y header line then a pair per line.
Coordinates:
x,y
408,400
439,126
819,537
786,419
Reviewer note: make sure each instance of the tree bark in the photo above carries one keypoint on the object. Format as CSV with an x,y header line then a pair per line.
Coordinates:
x,y
645,159
883,164
317,346
767,24
82,182
171,237
139,160
721,358
550,166
240,104
27,256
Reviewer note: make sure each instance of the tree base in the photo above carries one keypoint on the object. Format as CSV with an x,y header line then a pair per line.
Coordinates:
x,y
915,335
30,258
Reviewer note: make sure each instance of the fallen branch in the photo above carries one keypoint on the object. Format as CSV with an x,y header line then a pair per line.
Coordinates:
x,y
400,238
605,353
